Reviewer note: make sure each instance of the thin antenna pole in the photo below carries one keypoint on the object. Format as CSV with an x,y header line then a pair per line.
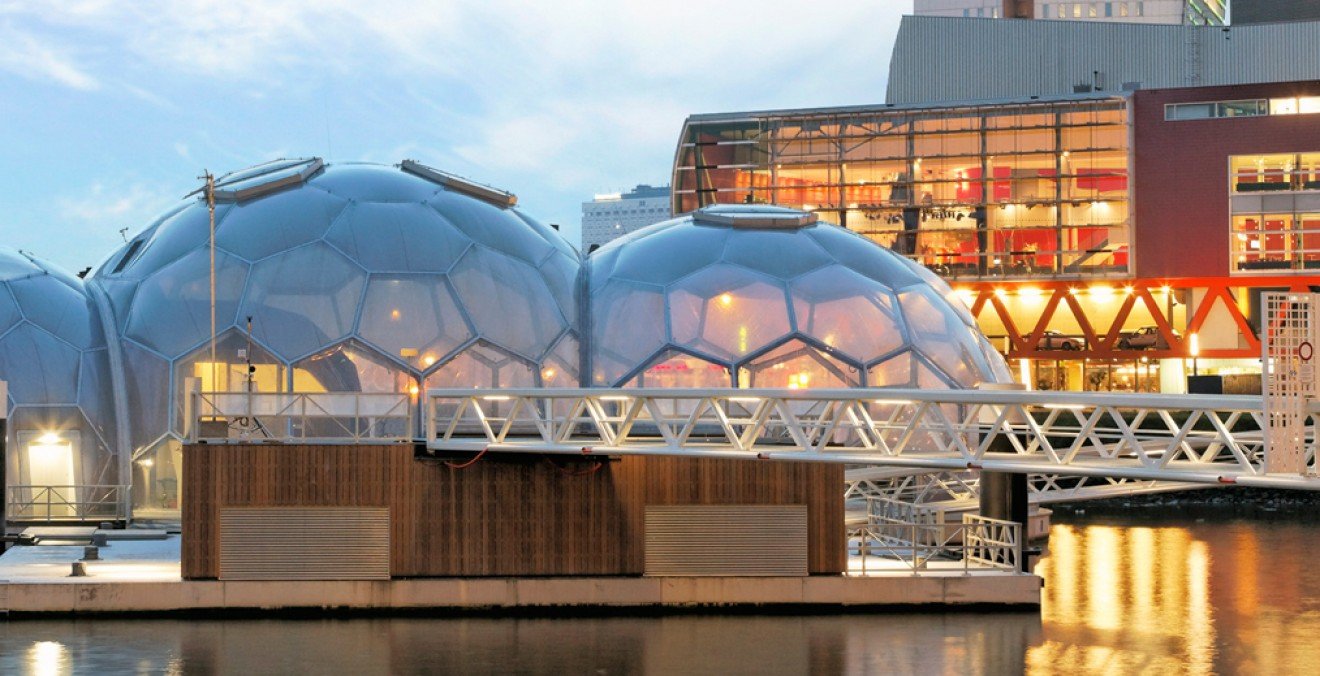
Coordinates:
x,y
210,207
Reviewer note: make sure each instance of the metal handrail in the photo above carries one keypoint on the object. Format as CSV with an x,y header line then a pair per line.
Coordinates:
x,y
978,543
326,417
69,503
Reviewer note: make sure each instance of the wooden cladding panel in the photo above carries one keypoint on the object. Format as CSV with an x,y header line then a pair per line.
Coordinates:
x,y
504,515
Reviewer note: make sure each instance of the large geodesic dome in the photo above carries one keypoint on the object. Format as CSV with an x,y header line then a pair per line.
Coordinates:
x,y
340,277
53,357
761,296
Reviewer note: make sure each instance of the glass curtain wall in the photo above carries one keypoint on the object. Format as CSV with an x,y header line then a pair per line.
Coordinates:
x,y
994,191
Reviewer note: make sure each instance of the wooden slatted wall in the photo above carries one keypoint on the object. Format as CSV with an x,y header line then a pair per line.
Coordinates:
x,y
504,515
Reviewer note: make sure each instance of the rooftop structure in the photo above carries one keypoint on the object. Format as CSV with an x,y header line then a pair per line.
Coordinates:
x,y
1270,11
942,59
608,217
1190,12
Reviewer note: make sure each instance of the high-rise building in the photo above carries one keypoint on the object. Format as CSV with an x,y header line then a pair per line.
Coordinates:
x,y
610,216
1189,12
1270,11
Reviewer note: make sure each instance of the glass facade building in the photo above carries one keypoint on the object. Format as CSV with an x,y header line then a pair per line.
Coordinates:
x,y
1013,190
759,296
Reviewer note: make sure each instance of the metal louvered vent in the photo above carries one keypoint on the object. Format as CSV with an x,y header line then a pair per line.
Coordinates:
x,y
305,543
265,179
726,540
459,184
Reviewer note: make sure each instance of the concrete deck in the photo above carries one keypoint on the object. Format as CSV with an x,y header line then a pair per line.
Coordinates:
x,y
143,577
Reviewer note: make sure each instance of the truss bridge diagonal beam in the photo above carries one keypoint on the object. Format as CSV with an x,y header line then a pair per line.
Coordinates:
x,y
1140,437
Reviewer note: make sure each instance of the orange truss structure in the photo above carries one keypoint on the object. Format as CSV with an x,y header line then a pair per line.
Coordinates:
x,y
1102,335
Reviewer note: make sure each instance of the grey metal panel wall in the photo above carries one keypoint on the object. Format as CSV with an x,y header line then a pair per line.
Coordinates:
x,y
751,540
955,59
305,543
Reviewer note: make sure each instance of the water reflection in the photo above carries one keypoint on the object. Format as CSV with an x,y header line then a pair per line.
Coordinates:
x,y
838,644
1231,596
1136,597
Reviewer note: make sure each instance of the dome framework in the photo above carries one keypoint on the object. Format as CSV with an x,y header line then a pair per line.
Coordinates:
x,y
761,296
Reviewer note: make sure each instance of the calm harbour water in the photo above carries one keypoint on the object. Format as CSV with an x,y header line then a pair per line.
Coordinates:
x,y
1121,596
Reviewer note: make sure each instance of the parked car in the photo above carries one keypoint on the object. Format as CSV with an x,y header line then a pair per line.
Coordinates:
x,y
1145,338
1053,340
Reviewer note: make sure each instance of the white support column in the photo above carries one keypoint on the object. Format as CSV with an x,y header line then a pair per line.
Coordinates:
x,y
1290,331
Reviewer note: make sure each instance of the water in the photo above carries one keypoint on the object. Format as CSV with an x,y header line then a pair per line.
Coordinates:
x,y
1214,596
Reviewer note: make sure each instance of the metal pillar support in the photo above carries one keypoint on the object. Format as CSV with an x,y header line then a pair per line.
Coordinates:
x,y
1004,496
1290,332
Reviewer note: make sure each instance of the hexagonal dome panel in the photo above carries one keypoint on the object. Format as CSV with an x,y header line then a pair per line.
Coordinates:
x,y
53,356
721,284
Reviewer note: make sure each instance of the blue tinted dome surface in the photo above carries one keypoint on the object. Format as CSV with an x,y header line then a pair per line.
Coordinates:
x,y
765,296
54,360
354,277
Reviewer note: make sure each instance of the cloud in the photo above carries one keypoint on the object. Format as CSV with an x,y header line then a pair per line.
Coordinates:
x,y
26,55
558,100
113,207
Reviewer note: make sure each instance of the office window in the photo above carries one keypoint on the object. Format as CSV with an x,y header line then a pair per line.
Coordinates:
x,y
1091,11
1141,9
1077,10
1109,9
967,11
1283,106
1122,9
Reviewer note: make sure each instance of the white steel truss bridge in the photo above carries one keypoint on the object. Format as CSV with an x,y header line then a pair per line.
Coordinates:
x,y
1182,438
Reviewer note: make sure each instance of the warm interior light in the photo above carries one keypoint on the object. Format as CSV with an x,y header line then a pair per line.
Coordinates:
x,y
1101,292
547,373
1001,293
967,296
428,360
50,438
1024,373
1030,293
414,390
726,299
394,314
1194,345
147,462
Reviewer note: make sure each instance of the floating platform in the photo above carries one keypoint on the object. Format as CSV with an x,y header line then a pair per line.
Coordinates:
x,y
142,577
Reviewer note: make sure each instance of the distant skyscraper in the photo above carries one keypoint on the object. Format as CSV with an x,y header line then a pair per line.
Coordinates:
x,y
1190,12
611,216
1269,11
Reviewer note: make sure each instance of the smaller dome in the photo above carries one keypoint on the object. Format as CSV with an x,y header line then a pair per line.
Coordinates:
x,y
765,296
53,358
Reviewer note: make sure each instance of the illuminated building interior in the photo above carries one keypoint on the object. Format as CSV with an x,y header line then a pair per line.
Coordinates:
x,y
1020,190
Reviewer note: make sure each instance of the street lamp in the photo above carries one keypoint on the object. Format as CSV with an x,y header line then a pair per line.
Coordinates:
x,y
1194,346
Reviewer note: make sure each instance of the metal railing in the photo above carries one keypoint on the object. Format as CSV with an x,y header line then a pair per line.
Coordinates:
x,y
978,543
75,503
325,417
1151,437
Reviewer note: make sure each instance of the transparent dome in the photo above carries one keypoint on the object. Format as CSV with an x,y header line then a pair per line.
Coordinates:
x,y
760,296
340,277
53,357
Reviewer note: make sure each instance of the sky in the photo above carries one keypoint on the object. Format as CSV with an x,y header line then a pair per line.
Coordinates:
x,y
110,110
